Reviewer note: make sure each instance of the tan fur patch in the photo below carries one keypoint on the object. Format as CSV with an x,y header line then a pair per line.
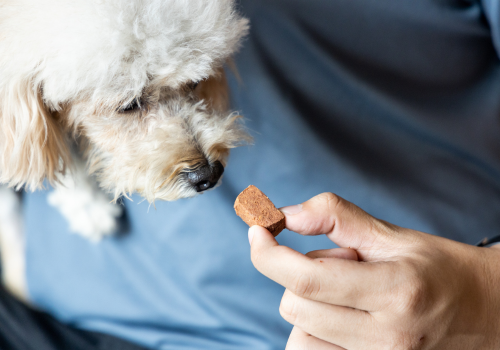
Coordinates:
x,y
32,144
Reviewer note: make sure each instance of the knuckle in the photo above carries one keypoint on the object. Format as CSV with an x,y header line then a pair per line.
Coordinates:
x,y
288,308
330,200
329,208
413,293
304,285
415,296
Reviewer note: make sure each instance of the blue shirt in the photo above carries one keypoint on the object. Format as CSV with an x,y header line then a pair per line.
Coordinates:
x,y
394,105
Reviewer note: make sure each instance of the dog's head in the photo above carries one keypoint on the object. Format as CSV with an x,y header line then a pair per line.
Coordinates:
x,y
138,82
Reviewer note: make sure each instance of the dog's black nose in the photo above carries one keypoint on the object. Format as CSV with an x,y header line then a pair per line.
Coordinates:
x,y
205,177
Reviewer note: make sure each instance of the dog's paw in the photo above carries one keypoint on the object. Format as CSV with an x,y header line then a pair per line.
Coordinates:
x,y
88,210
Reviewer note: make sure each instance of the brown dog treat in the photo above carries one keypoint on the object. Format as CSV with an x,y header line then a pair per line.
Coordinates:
x,y
255,208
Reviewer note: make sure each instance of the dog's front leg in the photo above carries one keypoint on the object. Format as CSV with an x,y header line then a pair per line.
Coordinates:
x,y
88,210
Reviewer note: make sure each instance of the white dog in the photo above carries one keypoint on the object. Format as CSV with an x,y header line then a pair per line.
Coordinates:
x,y
120,95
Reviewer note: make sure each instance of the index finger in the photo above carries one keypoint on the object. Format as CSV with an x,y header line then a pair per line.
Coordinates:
x,y
334,281
270,258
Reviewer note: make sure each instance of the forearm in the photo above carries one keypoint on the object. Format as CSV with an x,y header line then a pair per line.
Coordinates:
x,y
492,262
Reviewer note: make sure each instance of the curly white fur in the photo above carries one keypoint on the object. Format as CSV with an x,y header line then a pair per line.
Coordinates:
x,y
69,72
70,65
101,48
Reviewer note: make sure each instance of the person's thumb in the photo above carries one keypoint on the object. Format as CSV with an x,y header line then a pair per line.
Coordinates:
x,y
343,222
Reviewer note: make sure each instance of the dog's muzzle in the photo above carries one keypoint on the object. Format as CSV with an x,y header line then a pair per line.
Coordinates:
x,y
204,177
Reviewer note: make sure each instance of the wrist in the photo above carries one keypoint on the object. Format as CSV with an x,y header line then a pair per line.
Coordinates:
x,y
475,321
490,285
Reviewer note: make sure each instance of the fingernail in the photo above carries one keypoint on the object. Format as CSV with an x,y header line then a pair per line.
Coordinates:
x,y
251,230
292,209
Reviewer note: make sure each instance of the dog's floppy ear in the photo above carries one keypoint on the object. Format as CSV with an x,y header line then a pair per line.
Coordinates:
x,y
215,91
32,145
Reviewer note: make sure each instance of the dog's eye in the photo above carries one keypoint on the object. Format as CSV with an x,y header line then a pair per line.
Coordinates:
x,y
192,86
133,106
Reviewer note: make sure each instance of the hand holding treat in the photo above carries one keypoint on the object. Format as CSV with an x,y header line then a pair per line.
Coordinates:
x,y
409,289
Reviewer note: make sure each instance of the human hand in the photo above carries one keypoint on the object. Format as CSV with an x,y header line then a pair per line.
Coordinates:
x,y
409,290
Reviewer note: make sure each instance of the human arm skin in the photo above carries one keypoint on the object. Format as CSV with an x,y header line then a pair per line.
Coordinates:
x,y
403,289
